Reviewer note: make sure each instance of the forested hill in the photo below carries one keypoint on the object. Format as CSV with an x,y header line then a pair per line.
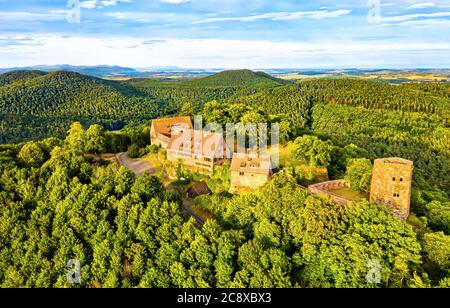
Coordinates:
x,y
219,86
68,93
18,75
237,78
430,98
51,100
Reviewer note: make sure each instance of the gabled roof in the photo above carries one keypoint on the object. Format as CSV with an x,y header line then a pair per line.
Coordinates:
x,y
249,164
199,189
164,126
198,142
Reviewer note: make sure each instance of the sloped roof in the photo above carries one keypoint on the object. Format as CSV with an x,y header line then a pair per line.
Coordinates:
x,y
164,126
248,164
199,189
198,142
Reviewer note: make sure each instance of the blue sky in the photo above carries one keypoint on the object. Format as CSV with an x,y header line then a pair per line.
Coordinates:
x,y
227,33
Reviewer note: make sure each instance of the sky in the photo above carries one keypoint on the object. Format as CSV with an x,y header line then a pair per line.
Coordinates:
x,y
226,33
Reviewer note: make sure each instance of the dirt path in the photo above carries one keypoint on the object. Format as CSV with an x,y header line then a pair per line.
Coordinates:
x,y
187,203
138,167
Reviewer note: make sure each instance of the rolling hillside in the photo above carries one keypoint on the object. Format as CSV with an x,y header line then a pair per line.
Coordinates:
x,y
219,86
296,99
19,75
237,78
50,101
67,93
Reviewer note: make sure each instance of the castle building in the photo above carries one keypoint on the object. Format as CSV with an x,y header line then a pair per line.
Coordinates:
x,y
200,150
391,185
249,172
162,129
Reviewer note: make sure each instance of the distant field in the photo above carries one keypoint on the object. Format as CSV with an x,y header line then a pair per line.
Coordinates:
x,y
117,78
404,77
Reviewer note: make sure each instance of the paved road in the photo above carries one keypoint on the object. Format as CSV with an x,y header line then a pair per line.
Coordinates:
x,y
138,167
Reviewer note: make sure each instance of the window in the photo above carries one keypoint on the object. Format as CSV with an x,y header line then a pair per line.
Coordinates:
x,y
241,173
393,179
401,179
396,195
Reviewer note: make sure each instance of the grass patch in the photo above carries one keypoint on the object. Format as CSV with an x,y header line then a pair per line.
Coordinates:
x,y
349,194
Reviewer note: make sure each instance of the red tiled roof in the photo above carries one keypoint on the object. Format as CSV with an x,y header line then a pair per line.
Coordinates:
x,y
164,126
249,164
198,142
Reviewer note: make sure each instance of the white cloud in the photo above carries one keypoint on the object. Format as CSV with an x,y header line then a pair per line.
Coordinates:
x,y
114,2
91,4
26,16
146,17
176,1
401,18
279,16
12,41
439,22
203,53
420,5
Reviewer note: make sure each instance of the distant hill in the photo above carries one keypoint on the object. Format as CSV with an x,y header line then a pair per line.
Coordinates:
x,y
96,71
220,86
57,98
17,75
237,78
67,93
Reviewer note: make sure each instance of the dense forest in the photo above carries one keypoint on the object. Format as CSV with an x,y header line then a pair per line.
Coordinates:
x,y
127,231
37,104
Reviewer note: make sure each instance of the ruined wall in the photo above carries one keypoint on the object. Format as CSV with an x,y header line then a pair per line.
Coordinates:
x,y
325,187
391,185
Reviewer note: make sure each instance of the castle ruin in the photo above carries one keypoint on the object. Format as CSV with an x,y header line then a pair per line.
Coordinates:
x,y
391,185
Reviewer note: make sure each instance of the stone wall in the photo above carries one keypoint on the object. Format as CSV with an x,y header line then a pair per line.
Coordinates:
x,y
325,187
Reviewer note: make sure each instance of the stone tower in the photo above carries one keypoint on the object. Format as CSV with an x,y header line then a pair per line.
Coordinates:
x,y
391,185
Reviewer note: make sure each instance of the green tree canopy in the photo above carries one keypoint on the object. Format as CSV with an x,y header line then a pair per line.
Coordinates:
x,y
313,151
75,137
31,154
95,141
359,174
